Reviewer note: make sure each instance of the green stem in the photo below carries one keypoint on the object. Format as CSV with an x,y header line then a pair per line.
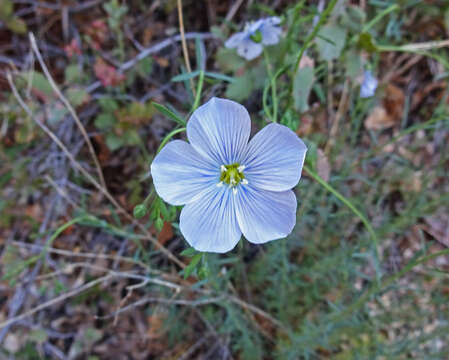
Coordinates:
x,y
379,17
169,136
407,48
147,200
315,31
387,282
264,101
348,203
273,85
199,89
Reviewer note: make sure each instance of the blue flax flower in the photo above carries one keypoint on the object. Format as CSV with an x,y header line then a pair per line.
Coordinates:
x,y
250,41
228,185
369,85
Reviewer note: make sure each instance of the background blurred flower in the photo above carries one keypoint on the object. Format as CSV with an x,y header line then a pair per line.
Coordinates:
x,y
369,85
230,186
250,41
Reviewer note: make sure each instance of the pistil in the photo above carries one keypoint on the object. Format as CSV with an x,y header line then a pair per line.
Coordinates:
x,y
232,175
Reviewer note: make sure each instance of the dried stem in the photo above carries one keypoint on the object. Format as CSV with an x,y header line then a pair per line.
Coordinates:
x,y
56,300
184,44
89,177
83,255
69,107
338,115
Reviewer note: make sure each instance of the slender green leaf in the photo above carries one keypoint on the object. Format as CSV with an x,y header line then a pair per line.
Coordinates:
x,y
168,113
219,77
189,252
185,76
193,263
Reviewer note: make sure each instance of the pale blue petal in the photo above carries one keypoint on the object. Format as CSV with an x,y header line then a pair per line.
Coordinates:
x,y
274,20
265,215
180,174
252,27
209,224
270,34
219,130
369,85
249,49
274,159
235,40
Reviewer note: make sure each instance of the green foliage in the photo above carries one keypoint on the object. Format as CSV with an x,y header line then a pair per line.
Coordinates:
x,y
169,114
192,265
330,42
12,22
140,211
353,64
120,124
244,85
354,280
116,12
302,86
228,60
37,81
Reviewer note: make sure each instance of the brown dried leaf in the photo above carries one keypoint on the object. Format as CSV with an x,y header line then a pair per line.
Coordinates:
x,y
438,227
378,119
161,61
394,102
155,325
103,153
305,127
166,233
314,121
389,113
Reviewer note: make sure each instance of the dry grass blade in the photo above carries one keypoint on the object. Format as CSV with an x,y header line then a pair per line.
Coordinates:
x,y
56,300
68,106
184,44
426,45
338,116
89,177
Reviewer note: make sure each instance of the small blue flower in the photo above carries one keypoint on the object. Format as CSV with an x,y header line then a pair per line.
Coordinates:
x,y
250,41
228,185
369,85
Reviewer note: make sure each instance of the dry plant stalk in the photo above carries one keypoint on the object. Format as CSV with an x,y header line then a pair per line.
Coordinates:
x,y
111,274
338,115
56,300
184,44
68,106
90,178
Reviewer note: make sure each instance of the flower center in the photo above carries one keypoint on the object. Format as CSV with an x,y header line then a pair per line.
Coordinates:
x,y
232,175
257,36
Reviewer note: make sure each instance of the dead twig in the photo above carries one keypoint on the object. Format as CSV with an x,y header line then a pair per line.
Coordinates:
x,y
69,108
56,300
130,289
152,50
120,274
429,45
184,44
338,115
259,312
147,300
233,10
89,177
